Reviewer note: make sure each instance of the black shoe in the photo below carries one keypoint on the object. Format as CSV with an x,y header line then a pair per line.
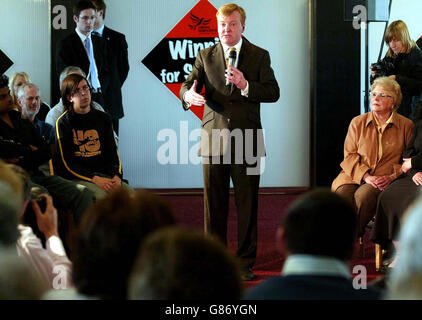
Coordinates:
x,y
247,275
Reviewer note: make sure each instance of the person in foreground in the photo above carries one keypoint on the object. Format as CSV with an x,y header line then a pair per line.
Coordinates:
x,y
394,201
233,94
318,236
373,149
106,243
177,263
405,279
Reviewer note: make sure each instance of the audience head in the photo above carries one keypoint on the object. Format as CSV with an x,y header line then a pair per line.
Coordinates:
x,y
6,101
84,16
16,80
29,100
108,238
320,223
405,279
10,204
17,280
69,70
391,87
75,93
397,38
176,263
100,12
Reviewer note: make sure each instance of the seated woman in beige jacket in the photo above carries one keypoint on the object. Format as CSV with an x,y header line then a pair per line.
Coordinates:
x,y
373,150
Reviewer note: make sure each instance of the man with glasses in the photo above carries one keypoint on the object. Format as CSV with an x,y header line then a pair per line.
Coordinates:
x,y
85,139
84,50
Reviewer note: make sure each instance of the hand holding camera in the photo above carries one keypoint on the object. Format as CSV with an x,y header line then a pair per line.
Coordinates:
x,y
46,215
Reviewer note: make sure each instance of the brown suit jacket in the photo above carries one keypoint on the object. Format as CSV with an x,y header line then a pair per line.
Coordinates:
x,y
225,107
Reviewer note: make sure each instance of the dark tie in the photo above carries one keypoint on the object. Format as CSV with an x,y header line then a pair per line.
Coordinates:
x,y
95,33
93,77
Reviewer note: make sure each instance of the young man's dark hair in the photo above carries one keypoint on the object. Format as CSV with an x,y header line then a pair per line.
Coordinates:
x,y
107,241
100,5
321,223
4,81
82,5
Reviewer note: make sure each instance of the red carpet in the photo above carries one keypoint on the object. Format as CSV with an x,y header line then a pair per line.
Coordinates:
x,y
188,209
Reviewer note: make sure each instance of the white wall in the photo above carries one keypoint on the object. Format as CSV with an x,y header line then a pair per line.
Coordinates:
x,y
280,26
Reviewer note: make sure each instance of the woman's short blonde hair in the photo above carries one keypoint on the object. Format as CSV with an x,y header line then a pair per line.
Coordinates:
x,y
229,8
390,85
12,81
399,31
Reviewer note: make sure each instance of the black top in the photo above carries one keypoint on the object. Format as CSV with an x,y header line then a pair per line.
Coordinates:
x,y
87,146
15,143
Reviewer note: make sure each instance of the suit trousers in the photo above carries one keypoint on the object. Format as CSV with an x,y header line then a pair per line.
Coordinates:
x,y
364,199
216,205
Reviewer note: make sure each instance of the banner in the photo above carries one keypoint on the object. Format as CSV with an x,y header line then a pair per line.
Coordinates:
x,y
172,58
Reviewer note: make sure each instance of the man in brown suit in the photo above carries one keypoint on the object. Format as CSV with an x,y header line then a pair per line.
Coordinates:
x,y
232,140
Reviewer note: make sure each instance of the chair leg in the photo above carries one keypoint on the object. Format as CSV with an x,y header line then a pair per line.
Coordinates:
x,y
378,257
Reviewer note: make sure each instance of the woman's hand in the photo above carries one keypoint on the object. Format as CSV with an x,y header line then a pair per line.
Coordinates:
x,y
383,182
407,164
417,178
380,183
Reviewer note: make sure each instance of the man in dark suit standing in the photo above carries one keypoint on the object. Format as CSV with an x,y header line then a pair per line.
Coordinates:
x,y
86,51
118,63
319,237
231,138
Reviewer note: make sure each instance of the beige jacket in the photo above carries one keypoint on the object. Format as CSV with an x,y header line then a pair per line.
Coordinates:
x,y
361,149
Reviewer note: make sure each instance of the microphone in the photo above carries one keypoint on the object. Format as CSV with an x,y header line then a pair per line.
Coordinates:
x,y
232,60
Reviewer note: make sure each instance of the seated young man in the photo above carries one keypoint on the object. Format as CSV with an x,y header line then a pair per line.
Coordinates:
x,y
22,144
85,138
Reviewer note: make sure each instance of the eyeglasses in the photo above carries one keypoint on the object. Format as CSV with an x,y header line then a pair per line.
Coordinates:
x,y
380,95
86,18
84,89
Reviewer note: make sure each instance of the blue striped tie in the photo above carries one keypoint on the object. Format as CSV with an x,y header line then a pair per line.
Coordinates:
x,y
93,77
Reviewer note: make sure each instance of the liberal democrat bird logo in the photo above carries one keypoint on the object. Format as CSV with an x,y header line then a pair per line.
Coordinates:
x,y
198,21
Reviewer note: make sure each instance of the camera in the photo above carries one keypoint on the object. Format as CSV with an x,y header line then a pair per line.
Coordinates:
x,y
382,68
42,203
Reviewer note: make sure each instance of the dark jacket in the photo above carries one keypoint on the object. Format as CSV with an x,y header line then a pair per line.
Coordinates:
x,y
71,52
118,67
408,71
310,287
87,146
15,143
225,107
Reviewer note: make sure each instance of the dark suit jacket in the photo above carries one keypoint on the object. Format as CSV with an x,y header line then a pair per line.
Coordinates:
x,y
118,66
309,287
225,107
71,52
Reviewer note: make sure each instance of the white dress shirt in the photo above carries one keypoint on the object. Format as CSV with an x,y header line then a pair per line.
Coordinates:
x,y
49,262
83,37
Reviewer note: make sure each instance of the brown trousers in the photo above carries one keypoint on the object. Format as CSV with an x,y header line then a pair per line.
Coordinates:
x,y
216,206
364,199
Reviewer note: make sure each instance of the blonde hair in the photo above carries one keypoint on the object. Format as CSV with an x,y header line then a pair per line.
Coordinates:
x,y
390,85
229,8
12,81
398,30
